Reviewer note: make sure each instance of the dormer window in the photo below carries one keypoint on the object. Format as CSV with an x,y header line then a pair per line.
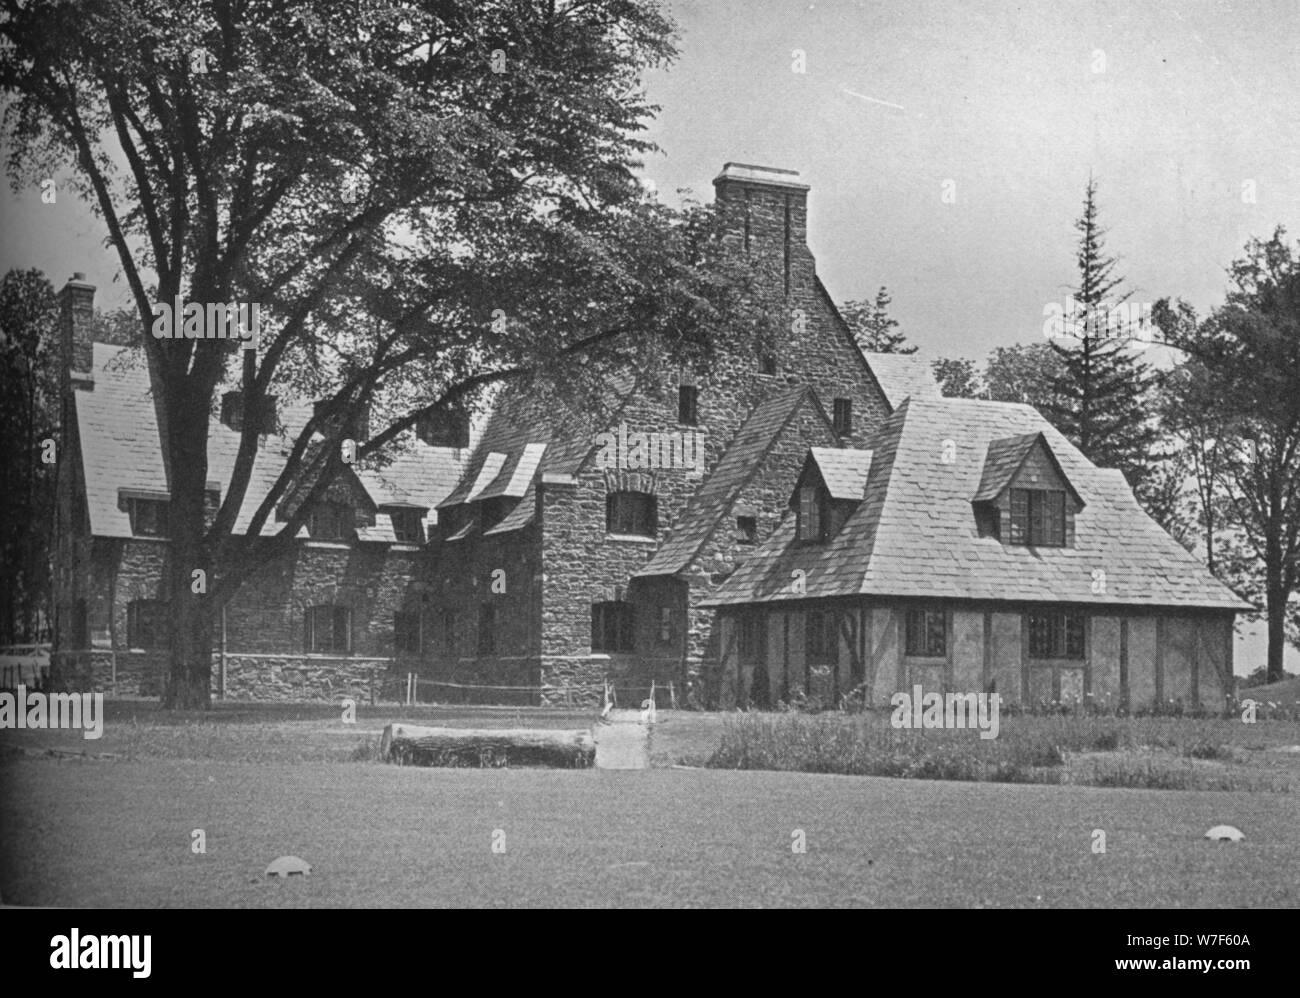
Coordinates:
x,y
330,521
746,529
1037,517
812,514
408,527
149,517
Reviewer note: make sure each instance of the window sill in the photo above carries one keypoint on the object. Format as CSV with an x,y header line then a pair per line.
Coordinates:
x,y
926,659
328,654
633,538
328,545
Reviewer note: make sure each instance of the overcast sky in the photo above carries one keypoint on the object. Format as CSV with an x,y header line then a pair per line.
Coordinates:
x,y
1172,106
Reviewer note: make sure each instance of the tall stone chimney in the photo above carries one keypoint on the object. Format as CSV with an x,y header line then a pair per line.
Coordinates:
x,y
767,213
76,322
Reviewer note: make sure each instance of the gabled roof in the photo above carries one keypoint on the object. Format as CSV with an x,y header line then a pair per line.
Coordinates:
x,y
914,534
903,376
122,453
843,470
715,497
1005,457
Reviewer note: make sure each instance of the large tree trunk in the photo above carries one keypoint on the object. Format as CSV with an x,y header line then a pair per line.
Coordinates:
x,y
1275,595
189,667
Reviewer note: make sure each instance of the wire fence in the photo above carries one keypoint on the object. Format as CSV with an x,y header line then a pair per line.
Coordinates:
x,y
412,689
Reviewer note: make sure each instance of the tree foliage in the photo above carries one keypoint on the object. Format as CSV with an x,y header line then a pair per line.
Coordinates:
x,y
1236,402
874,329
424,198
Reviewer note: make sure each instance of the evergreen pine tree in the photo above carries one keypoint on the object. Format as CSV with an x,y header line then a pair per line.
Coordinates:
x,y
873,327
1103,390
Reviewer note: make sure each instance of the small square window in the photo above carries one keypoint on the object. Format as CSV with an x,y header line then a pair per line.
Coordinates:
x,y
632,513
327,628
408,526
767,363
149,517
688,411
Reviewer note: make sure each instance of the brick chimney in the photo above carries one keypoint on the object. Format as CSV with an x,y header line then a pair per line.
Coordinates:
x,y
767,211
76,326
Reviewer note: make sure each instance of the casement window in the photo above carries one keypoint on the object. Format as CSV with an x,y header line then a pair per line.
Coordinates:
x,y
842,419
327,629
149,517
487,629
821,643
633,513
1038,517
612,626
330,521
1055,634
408,527
688,409
812,515
407,638
752,638
146,623
927,633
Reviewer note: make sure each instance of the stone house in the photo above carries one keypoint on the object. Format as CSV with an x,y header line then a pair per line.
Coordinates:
x,y
802,519
322,623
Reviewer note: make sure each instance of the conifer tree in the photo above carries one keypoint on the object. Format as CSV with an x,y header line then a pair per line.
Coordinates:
x,y
874,329
1103,388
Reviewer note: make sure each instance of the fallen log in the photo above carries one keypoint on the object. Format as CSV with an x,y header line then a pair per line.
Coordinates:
x,y
412,745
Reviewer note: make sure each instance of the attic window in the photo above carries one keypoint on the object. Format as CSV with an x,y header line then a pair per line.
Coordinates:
x,y
149,517
843,417
330,521
1038,517
407,526
812,514
746,529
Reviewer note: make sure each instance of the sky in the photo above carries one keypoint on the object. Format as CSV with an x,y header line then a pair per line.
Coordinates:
x,y
1177,110
1186,114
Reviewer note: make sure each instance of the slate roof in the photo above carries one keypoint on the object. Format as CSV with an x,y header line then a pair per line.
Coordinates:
x,y
901,376
914,534
715,497
121,450
1003,460
843,470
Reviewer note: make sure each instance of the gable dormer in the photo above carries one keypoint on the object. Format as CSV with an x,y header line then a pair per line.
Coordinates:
x,y
1024,496
829,488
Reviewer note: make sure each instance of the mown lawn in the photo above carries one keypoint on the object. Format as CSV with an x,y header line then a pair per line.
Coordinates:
x,y
118,833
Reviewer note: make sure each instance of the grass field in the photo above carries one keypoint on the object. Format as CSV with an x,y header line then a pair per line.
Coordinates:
x,y
265,781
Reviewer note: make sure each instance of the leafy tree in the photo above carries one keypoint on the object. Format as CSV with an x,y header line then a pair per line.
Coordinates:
x,y
29,413
875,330
1102,391
1242,382
1026,373
957,377
425,199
